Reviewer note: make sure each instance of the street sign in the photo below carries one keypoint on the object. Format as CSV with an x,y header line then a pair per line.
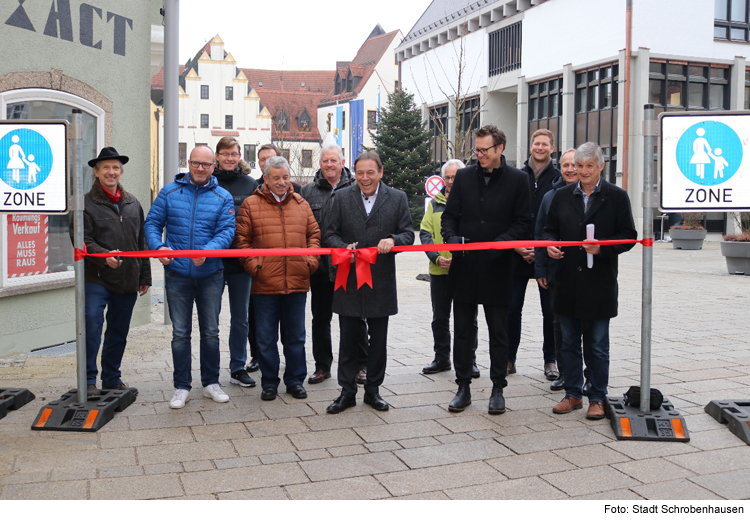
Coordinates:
x,y
33,167
705,165
434,185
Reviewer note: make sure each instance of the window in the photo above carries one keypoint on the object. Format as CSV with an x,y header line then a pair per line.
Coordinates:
x,y
343,120
307,159
438,126
339,88
183,154
372,120
204,120
680,85
505,49
204,91
249,154
228,93
285,153
282,121
747,90
228,122
545,108
303,121
395,85
596,102
328,122
731,20
52,254
468,115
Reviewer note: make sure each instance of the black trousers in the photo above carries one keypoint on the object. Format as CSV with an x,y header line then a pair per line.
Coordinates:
x,y
441,314
464,318
351,332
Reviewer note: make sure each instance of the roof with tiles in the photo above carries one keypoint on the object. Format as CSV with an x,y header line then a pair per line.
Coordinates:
x,y
294,104
314,81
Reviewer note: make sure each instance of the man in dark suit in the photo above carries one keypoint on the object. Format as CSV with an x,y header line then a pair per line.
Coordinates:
x,y
369,214
489,202
586,295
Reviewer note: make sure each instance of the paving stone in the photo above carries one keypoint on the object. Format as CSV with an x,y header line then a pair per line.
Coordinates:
x,y
734,485
26,477
549,440
433,495
591,455
35,460
439,478
465,423
263,446
325,439
237,479
274,493
653,470
72,474
351,466
282,426
414,414
418,442
518,489
219,432
276,409
720,460
715,439
531,464
359,488
451,453
313,454
453,438
377,447
382,433
136,488
589,480
161,469
357,449
674,490
66,490
512,431
191,466
185,452
425,398
146,437
618,494
641,450
344,420
278,458
229,415
123,471
174,419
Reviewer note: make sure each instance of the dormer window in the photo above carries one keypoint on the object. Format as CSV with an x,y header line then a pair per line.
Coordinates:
x,y
349,81
304,121
282,121
339,84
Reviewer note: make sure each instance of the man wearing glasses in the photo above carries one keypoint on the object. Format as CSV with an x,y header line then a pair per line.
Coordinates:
x,y
197,214
489,202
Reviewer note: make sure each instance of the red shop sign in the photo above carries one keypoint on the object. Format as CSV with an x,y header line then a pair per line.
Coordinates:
x,y
28,244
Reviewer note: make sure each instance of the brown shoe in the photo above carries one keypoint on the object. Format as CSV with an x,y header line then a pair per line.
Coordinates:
x,y
361,376
551,372
318,376
568,404
596,410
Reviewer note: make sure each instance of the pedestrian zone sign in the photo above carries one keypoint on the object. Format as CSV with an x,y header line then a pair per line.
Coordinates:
x,y
705,161
33,167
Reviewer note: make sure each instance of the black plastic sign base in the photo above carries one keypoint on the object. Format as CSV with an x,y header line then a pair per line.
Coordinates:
x,y
66,414
662,425
12,399
734,413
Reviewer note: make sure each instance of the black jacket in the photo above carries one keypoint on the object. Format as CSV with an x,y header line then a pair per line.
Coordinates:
x,y
320,195
107,226
498,211
581,292
543,265
240,186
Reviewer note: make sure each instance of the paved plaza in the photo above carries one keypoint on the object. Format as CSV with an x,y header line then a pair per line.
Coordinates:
x,y
292,449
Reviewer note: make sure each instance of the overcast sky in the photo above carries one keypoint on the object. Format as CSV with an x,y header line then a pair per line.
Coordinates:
x,y
291,34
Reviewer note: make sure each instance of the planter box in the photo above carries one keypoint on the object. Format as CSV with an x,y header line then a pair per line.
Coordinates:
x,y
738,257
687,238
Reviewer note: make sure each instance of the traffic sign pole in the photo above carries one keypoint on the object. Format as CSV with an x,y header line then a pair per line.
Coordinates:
x,y
77,208
649,194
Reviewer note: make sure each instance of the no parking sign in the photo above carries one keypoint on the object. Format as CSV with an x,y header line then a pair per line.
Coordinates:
x,y
434,185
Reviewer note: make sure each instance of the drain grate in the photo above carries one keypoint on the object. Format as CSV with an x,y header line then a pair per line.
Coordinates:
x,y
57,350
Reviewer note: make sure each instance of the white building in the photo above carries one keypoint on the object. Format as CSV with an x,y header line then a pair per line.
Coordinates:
x,y
349,111
560,64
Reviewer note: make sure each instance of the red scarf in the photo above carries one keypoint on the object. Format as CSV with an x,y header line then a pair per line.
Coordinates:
x,y
114,198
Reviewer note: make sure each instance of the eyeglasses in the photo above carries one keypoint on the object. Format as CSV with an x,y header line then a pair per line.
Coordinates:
x,y
229,154
202,165
484,152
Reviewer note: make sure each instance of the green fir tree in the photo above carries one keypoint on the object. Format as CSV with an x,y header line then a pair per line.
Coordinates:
x,y
403,143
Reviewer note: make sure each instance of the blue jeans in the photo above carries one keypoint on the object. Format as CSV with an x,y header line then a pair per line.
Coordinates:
x,y
119,311
182,292
238,285
287,311
597,360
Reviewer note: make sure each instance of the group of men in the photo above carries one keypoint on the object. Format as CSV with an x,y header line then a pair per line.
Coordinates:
x,y
216,205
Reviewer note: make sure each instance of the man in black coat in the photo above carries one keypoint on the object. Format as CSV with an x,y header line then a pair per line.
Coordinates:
x,y
112,221
489,202
542,175
583,294
367,215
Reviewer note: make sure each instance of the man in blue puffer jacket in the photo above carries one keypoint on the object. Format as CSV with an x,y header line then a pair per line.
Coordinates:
x,y
197,214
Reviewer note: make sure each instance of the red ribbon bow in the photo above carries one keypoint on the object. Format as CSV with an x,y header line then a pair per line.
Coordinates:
x,y
363,258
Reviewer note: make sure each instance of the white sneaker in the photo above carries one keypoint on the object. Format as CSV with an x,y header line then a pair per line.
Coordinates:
x,y
215,393
179,399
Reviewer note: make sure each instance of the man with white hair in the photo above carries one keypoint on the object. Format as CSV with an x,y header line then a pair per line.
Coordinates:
x,y
440,263
332,176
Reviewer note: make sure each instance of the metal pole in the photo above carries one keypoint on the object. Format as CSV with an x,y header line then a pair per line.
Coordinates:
x,y
649,200
78,266
171,101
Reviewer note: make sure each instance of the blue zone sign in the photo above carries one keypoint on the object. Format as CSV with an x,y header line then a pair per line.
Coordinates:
x,y
705,161
33,167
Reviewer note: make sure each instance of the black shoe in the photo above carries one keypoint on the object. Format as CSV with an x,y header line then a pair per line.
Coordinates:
x,y
297,391
474,371
462,399
242,379
268,394
586,388
376,402
558,384
435,367
497,400
92,391
341,403
119,386
252,366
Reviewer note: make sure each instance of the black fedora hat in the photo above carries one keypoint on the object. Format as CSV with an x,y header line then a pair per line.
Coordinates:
x,y
108,153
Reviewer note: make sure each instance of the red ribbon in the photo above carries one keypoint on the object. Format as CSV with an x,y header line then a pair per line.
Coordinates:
x,y
341,257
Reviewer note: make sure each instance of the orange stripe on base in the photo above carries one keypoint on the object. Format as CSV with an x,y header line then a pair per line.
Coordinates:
x,y
43,419
90,419
625,426
679,432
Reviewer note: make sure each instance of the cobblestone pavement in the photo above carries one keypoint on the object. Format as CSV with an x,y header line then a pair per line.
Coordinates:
x,y
291,449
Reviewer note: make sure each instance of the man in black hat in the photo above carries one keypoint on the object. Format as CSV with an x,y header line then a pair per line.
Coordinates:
x,y
112,221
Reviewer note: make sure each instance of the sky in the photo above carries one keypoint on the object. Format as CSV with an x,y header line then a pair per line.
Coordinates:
x,y
291,34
